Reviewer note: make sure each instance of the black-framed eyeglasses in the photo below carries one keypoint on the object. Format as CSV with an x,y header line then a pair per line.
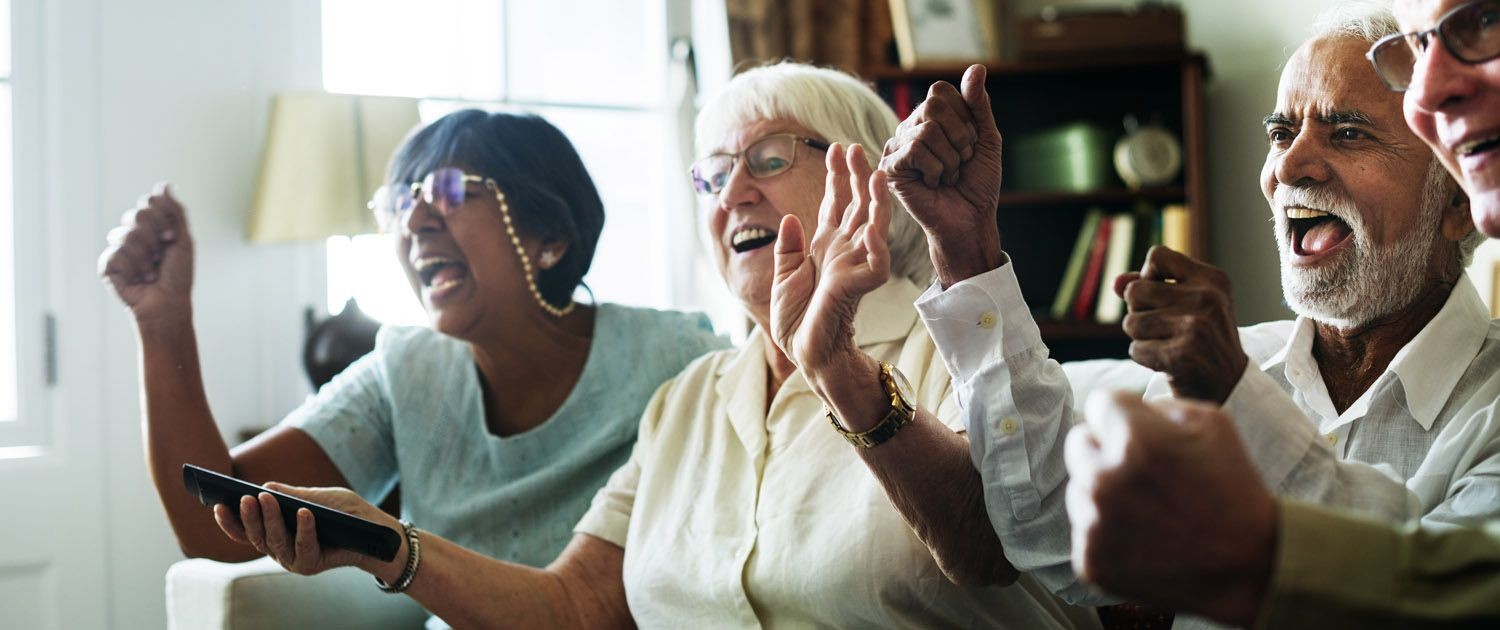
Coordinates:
x,y
1470,32
766,157
444,189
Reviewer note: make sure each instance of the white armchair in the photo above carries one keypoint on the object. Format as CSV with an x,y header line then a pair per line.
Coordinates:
x,y
208,595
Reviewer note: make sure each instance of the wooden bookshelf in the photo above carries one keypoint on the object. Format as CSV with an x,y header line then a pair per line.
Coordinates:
x,y
1079,331
1038,227
1103,196
1124,62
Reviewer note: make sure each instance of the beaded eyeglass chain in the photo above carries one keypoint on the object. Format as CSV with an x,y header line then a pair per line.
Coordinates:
x,y
510,229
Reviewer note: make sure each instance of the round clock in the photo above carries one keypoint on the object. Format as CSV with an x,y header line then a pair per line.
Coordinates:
x,y
1148,156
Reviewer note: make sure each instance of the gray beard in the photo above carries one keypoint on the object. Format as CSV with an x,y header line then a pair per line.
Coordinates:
x,y
1364,282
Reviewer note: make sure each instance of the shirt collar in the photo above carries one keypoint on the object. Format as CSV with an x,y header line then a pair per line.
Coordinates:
x,y
1429,365
1298,344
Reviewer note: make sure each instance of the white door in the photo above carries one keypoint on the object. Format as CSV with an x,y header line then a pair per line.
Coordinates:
x,y
52,500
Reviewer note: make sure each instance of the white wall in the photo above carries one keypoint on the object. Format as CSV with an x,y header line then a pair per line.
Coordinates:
x,y
177,90
1246,44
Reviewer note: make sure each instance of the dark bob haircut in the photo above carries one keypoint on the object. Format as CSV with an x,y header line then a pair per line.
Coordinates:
x,y
549,191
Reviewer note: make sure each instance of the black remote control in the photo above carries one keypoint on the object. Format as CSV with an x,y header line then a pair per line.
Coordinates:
x,y
335,528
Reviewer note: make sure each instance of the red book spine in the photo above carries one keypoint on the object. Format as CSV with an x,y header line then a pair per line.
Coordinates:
x,y
1090,288
901,99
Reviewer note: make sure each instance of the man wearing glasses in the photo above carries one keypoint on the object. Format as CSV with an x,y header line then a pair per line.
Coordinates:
x,y
1152,483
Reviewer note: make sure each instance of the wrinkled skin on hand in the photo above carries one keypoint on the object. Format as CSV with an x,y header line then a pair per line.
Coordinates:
x,y
818,285
1167,509
944,166
258,522
1181,323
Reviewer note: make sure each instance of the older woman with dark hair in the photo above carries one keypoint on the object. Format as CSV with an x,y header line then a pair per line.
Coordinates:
x,y
743,503
500,420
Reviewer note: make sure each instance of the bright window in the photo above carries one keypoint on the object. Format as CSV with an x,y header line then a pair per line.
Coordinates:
x,y
597,69
9,404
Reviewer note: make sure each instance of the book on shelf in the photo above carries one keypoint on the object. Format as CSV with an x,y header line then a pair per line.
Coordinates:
x,y
901,101
1116,261
1148,221
1107,245
1068,290
1095,268
1176,231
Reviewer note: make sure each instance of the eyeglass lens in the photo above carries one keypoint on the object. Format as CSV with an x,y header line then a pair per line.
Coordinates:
x,y
768,156
443,189
1471,33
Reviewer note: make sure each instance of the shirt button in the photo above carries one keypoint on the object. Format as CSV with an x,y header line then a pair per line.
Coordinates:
x,y
1008,426
987,320
1333,439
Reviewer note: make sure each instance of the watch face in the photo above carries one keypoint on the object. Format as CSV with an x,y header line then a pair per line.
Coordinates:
x,y
903,388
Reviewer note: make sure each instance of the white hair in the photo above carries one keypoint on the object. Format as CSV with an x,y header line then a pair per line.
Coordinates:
x,y
1367,20
831,104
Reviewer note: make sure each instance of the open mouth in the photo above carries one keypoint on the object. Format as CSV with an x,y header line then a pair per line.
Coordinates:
x,y
751,238
1315,232
438,273
1478,146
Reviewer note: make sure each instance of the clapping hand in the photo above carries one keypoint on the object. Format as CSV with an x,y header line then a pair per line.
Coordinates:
x,y
944,165
818,285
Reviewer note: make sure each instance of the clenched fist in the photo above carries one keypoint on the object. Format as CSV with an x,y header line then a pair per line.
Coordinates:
x,y
1181,322
1167,509
944,166
149,259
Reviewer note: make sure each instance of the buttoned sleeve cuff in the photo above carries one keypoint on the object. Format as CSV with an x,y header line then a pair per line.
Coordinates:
x,y
1326,561
979,321
1277,434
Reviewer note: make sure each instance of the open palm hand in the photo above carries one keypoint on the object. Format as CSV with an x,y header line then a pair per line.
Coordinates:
x,y
818,285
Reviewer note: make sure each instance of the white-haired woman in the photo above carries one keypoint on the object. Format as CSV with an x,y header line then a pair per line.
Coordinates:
x,y
741,504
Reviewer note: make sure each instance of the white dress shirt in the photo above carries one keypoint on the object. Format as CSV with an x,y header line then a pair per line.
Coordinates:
x,y
739,512
1424,440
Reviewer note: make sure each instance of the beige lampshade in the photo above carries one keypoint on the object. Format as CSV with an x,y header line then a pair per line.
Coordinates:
x,y
325,156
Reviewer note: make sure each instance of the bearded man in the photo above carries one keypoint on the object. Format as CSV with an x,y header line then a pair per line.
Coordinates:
x,y
1374,400
1140,474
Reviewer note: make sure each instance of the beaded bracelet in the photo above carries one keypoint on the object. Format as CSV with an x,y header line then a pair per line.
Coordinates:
x,y
413,558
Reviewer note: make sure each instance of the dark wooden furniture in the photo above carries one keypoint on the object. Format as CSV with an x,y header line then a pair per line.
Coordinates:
x,y
1038,229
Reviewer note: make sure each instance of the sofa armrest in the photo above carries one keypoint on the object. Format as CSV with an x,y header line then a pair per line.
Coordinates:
x,y
204,594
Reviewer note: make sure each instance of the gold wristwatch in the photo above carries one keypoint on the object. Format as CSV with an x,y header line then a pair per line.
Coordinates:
x,y
901,414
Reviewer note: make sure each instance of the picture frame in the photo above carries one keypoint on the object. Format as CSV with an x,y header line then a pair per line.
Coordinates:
x,y
944,33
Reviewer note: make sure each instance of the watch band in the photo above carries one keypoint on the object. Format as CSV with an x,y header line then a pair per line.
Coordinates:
x,y
900,414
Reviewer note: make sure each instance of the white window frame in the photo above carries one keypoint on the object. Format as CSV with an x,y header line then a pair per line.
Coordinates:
x,y
36,264
685,286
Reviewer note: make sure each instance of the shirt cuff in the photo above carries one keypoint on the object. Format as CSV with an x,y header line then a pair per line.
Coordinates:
x,y
979,321
1276,432
1326,560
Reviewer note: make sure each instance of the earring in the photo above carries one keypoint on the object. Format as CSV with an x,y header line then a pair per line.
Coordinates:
x,y
515,240
549,258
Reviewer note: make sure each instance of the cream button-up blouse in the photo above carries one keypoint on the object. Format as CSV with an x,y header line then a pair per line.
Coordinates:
x,y
733,514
